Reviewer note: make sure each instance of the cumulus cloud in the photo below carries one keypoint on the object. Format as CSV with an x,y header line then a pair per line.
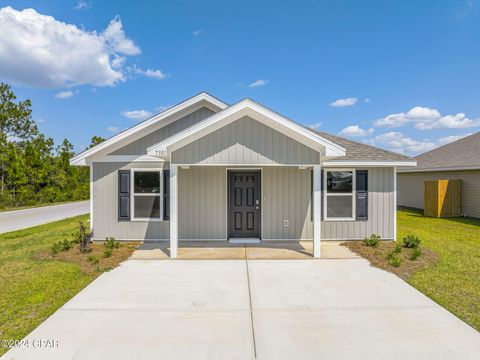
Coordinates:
x,y
113,129
344,102
398,142
424,118
137,114
157,74
258,83
62,95
46,52
355,131
315,126
452,138
83,5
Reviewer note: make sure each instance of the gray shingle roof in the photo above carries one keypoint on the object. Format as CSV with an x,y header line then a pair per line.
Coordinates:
x,y
461,153
360,151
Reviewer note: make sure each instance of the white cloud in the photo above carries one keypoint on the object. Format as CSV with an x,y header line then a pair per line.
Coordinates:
x,y
452,138
197,32
398,142
157,74
367,100
163,108
315,126
62,95
46,52
113,129
424,118
259,82
344,102
355,131
83,5
137,114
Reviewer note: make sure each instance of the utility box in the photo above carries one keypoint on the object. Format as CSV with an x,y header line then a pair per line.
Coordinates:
x,y
442,198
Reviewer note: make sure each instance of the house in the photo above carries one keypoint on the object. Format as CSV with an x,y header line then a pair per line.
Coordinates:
x,y
206,170
457,160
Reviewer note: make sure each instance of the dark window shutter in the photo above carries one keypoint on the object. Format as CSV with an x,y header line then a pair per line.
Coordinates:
x,y
362,195
123,195
166,194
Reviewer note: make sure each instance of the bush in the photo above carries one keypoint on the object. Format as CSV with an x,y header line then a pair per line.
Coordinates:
x,y
107,252
411,241
66,245
56,248
416,252
398,249
110,242
93,259
83,237
395,260
372,241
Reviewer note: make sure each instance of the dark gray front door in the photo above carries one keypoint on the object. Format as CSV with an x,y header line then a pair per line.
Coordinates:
x,y
244,204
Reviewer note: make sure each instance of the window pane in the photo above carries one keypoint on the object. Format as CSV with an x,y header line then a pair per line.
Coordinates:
x,y
147,182
339,181
339,207
146,207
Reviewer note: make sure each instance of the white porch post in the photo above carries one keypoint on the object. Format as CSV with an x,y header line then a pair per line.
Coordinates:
x,y
173,211
317,214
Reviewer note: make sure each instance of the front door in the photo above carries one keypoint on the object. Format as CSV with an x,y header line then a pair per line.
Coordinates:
x,y
244,204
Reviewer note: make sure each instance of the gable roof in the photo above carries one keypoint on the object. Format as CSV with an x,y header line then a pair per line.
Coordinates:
x,y
359,152
462,154
246,107
160,120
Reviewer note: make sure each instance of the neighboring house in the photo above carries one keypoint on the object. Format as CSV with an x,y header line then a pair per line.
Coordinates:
x,y
205,170
457,160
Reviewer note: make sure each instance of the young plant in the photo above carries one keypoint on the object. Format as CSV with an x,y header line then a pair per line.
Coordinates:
x,y
372,241
398,249
93,259
107,252
84,238
56,248
66,245
416,252
395,260
411,241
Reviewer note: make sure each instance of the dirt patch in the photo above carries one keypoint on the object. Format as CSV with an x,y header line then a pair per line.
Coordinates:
x,y
94,260
378,257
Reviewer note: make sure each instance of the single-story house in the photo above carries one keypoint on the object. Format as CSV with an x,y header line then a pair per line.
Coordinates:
x,y
457,160
206,170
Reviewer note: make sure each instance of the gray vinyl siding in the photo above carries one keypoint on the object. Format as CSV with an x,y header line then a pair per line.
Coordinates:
x,y
243,142
139,147
411,188
105,207
380,211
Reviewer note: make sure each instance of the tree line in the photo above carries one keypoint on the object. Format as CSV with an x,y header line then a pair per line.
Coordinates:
x,y
33,169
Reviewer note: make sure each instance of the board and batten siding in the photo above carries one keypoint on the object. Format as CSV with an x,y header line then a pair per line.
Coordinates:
x,y
139,147
411,188
105,206
243,142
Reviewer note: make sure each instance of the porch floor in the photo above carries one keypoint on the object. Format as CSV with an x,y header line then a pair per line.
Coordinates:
x,y
222,250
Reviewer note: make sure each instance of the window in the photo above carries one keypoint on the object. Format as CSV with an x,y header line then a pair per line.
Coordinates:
x,y
146,194
339,199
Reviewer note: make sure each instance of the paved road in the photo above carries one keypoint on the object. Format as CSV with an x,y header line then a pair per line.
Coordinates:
x,y
21,219
242,309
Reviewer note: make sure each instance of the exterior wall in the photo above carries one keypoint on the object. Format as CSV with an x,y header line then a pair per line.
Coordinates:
x,y
139,147
105,207
243,142
411,188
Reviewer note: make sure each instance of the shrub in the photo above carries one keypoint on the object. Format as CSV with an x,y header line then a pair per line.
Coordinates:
x,y
66,245
107,252
84,238
110,242
372,241
56,248
398,249
93,259
411,241
416,252
395,260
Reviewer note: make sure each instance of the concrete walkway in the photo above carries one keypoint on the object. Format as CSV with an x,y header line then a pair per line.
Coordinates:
x,y
21,219
242,309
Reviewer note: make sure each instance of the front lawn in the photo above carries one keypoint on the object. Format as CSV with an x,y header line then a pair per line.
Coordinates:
x,y
449,269
34,283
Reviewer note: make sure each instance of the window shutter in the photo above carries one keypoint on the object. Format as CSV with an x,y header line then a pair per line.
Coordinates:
x,y
166,194
123,195
362,195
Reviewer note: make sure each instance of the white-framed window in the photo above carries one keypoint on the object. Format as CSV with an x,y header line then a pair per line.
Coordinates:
x,y
339,194
147,195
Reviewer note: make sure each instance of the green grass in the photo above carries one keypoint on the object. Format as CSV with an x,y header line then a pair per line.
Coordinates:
x,y
32,289
454,281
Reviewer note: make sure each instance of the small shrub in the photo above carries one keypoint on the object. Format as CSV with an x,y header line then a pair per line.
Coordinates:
x,y
395,260
84,238
415,254
56,248
93,259
411,241
66,245
107,252
398,249
372,241
110,242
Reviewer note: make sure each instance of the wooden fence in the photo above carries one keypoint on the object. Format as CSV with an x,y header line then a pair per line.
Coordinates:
x,y
442,198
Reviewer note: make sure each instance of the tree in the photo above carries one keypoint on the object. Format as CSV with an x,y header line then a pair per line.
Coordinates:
x,y
95,141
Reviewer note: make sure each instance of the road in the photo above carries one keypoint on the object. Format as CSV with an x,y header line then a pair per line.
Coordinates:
x,y
21,219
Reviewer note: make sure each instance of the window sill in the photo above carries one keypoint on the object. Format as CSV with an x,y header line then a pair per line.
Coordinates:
x,y
339,219
147,219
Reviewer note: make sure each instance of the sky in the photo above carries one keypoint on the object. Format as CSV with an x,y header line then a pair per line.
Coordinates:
x,y
400,75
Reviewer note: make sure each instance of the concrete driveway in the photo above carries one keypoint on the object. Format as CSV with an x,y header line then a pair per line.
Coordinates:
x,y
242,309
21,219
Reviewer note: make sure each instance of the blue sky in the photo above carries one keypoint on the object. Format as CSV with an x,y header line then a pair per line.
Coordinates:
x,y
404,75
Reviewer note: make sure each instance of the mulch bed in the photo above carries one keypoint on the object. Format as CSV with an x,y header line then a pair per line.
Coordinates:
x,y
378,257
82,259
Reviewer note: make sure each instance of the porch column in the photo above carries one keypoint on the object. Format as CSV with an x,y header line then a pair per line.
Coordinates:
x,y
173,211
317,213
